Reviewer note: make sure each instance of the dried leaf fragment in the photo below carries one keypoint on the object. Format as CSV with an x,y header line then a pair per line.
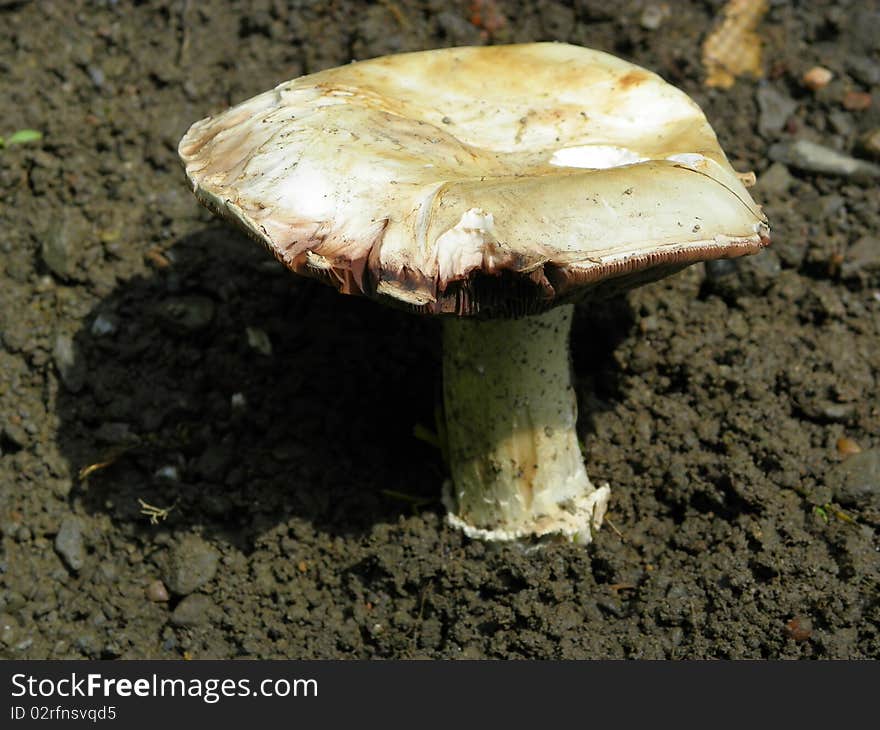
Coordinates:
x,y
734,48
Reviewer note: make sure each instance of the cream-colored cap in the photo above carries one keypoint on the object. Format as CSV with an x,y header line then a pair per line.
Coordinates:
x,y
494,180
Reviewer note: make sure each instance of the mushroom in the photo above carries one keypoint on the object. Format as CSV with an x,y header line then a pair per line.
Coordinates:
x,y
495,187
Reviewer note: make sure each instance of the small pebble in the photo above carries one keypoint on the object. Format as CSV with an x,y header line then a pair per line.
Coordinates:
x,y
864,69
70,368
869,143
192,611
258,340
775,180
856,101
103,325
817,78
191,564
156,592
799,628
15,434
96,74
812,157
653,15
847,447
821,409
8,629
62,244
88,643
69,543
862,258
774,109
855,481
841,122
168,473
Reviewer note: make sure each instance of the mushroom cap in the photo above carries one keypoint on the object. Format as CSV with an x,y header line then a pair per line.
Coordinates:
x,y
488,180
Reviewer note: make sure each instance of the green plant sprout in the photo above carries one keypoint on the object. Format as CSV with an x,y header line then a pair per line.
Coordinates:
x,y
22,136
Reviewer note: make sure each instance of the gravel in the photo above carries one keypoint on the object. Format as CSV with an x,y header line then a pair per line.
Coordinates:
x,y
69,543
191,564
812,157
856,480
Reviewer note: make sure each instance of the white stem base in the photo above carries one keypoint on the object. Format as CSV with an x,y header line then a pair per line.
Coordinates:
x,y
517,468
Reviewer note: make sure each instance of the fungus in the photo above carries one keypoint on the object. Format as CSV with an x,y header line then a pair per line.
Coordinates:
x,y
495,187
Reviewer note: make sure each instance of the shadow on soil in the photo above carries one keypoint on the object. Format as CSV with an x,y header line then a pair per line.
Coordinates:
x,y
235,395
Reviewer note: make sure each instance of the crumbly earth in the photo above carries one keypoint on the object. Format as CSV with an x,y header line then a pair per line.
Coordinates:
x,y
178,366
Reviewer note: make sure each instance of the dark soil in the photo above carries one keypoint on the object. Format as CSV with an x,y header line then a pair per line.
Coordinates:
x,y
178,364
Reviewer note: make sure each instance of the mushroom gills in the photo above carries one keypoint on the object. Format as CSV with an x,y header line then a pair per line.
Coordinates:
x,y
511,412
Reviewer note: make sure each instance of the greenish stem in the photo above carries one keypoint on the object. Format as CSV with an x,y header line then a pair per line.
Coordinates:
x,y
517,468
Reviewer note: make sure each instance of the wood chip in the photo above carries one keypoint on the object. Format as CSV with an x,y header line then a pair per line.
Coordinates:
x,y
733,48
847,446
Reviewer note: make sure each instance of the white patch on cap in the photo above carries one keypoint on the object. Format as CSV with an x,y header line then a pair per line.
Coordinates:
x,y
595,157
690,159
461,248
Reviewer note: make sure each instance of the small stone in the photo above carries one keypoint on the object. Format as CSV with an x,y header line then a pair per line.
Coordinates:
x,y
821,409
70,368
836,412
847,446
8,629
841,122
869,143
856,480
856,101
168,473
774,109
108,571
812,157
817,78
776,180
187,314
799,628
643,358
62,242
15,601
69,543
653,15
193,610
831,205
258,340
862,258
15,434
192,564
88,643
96,74
157,592
864,69
103,325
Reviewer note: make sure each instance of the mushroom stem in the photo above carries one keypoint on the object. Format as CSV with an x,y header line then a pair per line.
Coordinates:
x,y
517,468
